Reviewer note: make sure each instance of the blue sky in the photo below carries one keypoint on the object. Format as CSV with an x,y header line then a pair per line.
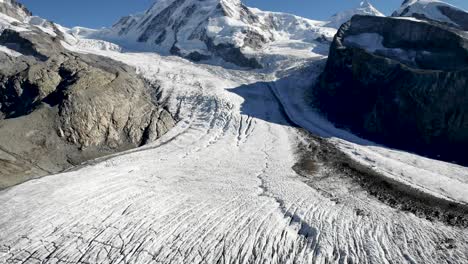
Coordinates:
x,y
101,13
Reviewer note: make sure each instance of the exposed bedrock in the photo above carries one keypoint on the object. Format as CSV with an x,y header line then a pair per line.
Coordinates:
x,y
399,82
58,108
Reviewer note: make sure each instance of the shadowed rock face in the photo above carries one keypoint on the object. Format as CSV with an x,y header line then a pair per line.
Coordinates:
x,y
407,88
456,15
58,108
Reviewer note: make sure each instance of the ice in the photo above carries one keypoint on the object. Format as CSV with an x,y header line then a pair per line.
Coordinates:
x,y
220,187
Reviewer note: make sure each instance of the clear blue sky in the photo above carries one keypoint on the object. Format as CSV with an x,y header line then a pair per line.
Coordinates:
x,y
102,13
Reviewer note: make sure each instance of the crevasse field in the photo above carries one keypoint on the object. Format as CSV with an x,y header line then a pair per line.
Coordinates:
x,y
222,186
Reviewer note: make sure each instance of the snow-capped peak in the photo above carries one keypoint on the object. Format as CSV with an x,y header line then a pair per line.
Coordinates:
x,y
14,9
365,8
201,30
434,10
365,3
193,29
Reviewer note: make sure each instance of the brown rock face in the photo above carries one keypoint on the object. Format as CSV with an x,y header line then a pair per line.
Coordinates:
x,y
409,91
58,108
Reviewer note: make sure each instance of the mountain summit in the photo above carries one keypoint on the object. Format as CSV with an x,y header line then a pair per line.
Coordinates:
x,y
14,9
201,30
365,8
195,29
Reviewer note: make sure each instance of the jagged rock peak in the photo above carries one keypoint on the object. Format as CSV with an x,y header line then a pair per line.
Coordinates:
x,y
14,9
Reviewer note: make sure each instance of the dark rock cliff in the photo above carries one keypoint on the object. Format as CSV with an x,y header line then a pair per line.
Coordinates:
x,y
410,91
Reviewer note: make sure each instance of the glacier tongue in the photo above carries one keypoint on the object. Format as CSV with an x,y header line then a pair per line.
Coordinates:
x,y
220,188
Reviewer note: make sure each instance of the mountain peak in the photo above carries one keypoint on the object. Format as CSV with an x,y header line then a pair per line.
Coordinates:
x,y
14,9
365,8
194,29
201,30
365,3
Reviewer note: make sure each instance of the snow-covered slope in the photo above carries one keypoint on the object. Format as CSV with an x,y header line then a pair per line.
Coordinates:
x,y
434,10
365,8
201,30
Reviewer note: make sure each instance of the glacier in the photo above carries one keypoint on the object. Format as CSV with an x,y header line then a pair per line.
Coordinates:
x,y
239,179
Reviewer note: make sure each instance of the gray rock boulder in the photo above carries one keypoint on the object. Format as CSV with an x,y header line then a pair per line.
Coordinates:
x,y
399,82
59,108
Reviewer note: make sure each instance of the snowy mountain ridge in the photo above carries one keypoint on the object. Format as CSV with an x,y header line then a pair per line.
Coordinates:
x,y
434,10
202,30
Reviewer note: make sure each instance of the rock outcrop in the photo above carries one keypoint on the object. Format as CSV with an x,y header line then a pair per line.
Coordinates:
x,y
400,82
58,108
